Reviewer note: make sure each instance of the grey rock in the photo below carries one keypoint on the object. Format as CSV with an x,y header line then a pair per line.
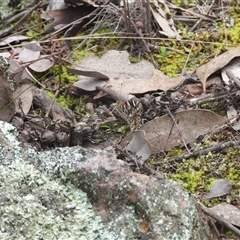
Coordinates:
x,y
131,205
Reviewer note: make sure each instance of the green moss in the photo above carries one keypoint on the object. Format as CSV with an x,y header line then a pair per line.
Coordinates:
x,y
78,54
175,152
190,180
180,3
195,50
133,59
230,234
198,175
62,75
233,33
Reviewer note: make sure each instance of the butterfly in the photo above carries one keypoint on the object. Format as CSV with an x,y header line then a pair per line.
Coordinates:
x,y
128,108
130,111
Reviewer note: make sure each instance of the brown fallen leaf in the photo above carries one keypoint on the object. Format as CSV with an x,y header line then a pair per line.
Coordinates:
x,y
216,64
193,89
24,98
124,77
162,134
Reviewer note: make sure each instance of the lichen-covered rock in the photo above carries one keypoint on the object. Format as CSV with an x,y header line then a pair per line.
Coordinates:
x,y
35,205
131,206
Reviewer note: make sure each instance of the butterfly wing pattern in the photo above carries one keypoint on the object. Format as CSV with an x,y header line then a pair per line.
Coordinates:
x,y
130,111
128,108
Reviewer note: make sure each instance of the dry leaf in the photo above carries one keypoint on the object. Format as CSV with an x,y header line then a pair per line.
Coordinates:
x,y
232,115
219,188
162,133
42,65
162,16
65,16
19,73
10,39
30,52
216,64
231,72
55,5
229,212
193,89
125,77
89,85
24,98
139,145
93,74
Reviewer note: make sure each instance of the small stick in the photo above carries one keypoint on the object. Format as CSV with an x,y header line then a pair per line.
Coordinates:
x,y
219,147
139,33
177,129
20,22
220,220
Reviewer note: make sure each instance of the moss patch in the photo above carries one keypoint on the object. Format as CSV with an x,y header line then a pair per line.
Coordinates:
x,y
197,175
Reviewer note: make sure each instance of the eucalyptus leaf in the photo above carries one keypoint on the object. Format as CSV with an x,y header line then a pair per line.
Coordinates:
x,y
219,188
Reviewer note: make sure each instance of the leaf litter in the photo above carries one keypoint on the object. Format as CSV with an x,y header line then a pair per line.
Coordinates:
x,y
169,118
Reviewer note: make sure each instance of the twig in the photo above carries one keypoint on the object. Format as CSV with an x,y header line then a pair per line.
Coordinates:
x,y
148,16
169,112
56,93
51,104
185,64
202,16
219,147
209,97
224,26
20,22
139,33
220,220
213,226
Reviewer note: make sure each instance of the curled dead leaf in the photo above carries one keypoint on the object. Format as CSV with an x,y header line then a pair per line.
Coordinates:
x,y
24,98
216,64
139,145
